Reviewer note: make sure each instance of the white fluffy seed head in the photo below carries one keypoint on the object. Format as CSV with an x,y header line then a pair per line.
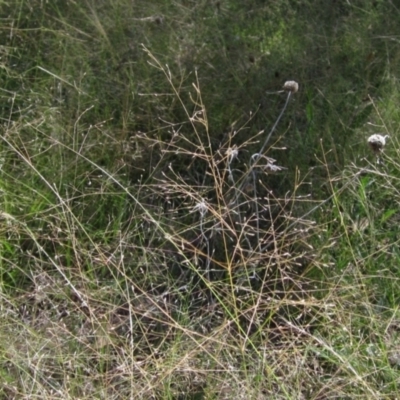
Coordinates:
x,y
272,168
291,86
201,207
232,153
377,142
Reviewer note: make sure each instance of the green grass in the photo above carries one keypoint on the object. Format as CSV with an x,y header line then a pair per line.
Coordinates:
x,y
145,252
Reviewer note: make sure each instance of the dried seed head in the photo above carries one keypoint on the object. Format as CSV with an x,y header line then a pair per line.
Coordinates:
x,y
158,19
272,168
258,156
291,86
232,153
377,142
201,207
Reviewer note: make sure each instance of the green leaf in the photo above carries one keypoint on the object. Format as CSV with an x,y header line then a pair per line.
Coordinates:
x,y
386,215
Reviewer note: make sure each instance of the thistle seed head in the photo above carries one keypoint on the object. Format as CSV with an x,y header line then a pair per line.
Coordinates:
x,y
377,142
291,86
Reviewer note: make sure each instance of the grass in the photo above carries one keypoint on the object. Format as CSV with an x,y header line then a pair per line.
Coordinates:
x,y
147,249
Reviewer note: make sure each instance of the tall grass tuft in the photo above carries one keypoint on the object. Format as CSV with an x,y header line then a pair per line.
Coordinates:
x,y
175,223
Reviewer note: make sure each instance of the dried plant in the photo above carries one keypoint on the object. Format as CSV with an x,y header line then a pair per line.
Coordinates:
x,y
377,142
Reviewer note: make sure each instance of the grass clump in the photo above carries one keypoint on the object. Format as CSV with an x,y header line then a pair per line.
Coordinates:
x,y
169,229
